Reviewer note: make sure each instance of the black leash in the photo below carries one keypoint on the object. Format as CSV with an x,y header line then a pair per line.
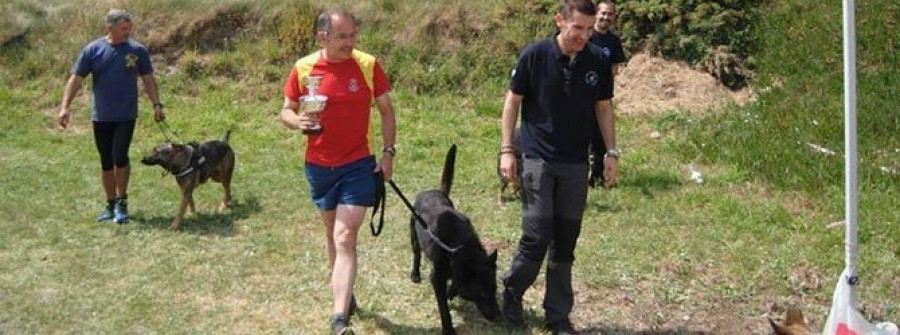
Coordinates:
x,y
418,218
380,197
165,129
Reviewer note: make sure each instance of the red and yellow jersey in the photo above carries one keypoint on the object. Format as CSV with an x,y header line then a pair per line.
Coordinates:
x,y
350,87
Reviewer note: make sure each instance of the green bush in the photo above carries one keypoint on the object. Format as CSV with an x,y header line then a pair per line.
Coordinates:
x,y
714,35
295,29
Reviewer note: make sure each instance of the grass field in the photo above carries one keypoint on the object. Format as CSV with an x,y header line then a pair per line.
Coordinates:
x,y
659,255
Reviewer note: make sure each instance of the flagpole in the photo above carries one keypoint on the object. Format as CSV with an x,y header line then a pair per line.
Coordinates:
x,y
850,148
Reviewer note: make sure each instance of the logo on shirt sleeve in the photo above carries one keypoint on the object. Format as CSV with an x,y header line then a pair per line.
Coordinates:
x,y
591,78
131,60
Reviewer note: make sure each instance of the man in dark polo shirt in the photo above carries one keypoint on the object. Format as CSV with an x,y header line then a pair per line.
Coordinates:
x,y
611,45
559,84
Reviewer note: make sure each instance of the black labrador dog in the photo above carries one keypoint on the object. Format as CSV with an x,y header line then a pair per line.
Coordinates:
x,y
461,260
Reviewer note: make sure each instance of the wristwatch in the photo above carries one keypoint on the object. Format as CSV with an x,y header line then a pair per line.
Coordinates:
x,y
614,153
390,150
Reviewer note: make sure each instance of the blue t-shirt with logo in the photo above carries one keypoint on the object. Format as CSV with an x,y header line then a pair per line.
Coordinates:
x,y
559,96
115,69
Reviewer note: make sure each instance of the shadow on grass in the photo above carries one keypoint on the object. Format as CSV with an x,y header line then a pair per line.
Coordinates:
x,y
390,327
611,329
475,323
650,183
211,222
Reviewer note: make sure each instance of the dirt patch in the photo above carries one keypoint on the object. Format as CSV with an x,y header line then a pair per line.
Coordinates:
x,y
648,84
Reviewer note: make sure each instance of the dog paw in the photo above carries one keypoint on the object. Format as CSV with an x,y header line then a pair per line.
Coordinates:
x,y
415,277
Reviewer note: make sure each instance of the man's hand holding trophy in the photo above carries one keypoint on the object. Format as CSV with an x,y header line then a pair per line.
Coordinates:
x,y
311,107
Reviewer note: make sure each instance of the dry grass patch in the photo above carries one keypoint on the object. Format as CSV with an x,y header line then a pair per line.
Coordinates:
x,y
649,84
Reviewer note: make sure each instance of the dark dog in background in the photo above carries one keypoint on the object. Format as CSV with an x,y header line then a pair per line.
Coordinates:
x,y
516,183
192,164
471,271
794,324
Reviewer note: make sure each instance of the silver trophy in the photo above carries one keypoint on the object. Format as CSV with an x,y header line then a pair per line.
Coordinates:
x,y
313,103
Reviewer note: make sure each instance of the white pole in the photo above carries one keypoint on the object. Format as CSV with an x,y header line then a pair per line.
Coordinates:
x,y
850,150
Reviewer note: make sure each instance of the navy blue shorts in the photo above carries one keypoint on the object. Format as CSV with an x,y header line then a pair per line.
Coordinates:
x,y
350,184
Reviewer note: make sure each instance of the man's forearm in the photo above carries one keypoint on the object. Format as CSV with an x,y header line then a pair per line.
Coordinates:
x,y
388,120
389,129
151,88
607,119
508,119
72,87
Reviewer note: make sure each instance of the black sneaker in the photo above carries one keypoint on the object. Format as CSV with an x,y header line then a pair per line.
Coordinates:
x,y
512,308
563,327
340,325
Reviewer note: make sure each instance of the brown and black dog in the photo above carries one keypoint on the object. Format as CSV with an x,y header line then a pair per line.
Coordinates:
x,y
794,324
515,183
192,164
471,271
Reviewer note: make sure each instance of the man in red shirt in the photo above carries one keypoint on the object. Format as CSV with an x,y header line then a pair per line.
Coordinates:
x,y
339,165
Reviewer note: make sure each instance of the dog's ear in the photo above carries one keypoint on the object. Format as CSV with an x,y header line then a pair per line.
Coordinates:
x,y
793,324
794,316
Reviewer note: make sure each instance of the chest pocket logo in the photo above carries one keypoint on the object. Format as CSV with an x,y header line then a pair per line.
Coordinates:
x,y
131,60
591,78
353,86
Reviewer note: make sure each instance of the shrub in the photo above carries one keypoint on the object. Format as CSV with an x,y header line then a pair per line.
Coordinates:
x,y
295,29
714,35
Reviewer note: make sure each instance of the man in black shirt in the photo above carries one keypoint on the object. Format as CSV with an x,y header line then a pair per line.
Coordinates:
x,y
608,41
605,37
559,84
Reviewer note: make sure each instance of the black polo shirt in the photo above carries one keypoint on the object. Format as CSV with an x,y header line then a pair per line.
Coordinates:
x,y
610,44
559,99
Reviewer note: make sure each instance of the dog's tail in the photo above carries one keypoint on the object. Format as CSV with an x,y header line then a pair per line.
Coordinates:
x,y
447,176
227,136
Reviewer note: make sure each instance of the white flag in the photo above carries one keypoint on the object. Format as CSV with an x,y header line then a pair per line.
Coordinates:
x,y
845,320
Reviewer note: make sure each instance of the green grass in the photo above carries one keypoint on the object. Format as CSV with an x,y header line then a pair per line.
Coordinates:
x,y
659,254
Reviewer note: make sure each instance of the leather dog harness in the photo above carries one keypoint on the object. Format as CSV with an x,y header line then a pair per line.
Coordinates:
x,y
196,162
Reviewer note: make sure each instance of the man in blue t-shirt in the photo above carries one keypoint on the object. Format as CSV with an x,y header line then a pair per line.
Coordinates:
x,y
559,84
608,41
115,62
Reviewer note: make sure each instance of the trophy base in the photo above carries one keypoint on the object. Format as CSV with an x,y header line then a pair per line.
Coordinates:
x,y
312,131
